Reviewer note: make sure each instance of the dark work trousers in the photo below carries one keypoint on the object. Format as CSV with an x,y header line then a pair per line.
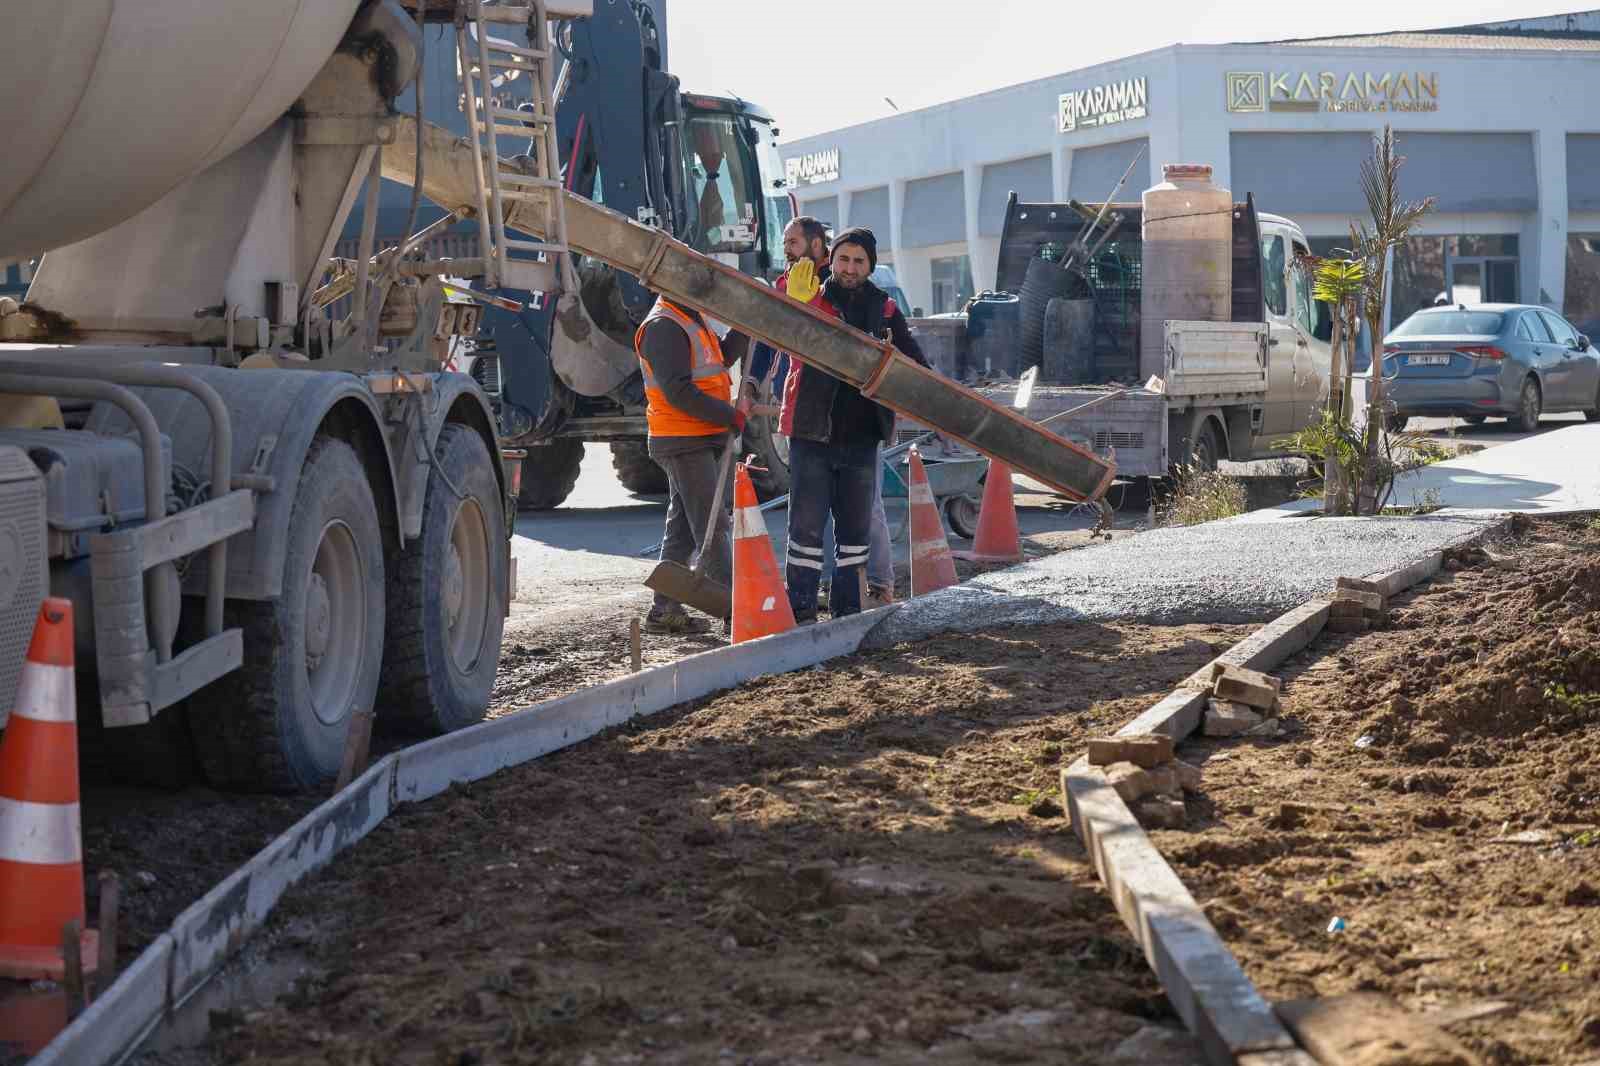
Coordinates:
x,y
824,479
691,483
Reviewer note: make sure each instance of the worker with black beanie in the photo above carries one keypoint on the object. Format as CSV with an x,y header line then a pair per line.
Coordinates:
x,y
834,437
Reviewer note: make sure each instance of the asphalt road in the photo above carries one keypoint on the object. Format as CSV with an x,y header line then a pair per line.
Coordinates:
x,y
1494,431
582,557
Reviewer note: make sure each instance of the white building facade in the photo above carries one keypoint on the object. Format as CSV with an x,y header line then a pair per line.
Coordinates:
x,y
1497,122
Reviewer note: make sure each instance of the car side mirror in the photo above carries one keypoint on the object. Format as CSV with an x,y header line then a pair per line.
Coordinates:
x,y
1583,342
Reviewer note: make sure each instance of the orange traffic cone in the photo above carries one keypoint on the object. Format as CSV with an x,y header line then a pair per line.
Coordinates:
x,y
760,602
41,848
998,539
931,564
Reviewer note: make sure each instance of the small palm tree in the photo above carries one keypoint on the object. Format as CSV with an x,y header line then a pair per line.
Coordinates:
x,y
1391,223
1339,283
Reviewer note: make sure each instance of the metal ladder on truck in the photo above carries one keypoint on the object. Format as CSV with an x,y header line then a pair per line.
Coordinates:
x,y
481,58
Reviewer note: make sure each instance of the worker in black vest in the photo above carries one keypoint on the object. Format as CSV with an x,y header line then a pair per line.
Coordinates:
x,y
835,432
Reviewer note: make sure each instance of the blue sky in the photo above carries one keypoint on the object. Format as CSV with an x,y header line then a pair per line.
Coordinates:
x,y
822,64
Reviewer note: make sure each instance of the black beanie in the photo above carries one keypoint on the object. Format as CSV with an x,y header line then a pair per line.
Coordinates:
x,y
861,236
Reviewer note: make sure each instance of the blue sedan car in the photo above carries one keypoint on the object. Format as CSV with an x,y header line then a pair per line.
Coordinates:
x,y
1515,361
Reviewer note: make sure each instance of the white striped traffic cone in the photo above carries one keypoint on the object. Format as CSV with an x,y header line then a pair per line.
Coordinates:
x,y
760,603
931,565
41,844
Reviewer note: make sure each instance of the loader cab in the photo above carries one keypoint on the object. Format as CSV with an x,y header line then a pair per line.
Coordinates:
x,y
737,202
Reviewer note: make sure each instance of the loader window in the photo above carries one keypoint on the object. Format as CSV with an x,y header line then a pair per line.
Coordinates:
x,y
722,216
774,193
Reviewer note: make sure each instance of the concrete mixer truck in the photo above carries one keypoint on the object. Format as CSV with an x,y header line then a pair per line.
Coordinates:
x,y
269,516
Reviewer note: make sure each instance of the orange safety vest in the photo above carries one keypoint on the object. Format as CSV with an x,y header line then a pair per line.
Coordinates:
x,y
710,376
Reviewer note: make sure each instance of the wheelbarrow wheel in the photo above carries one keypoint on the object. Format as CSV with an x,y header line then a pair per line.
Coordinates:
x,y
962,514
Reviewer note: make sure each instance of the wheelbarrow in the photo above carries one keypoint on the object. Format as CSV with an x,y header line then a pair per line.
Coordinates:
x,y
956,479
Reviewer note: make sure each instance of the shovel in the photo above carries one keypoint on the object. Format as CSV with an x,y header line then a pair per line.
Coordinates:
x,y
692,587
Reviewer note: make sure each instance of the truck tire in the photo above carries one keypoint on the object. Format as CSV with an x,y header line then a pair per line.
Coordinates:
x,y
638,473
312,656
446,608
771,450
1206,449
1068,356
1044,282
549,473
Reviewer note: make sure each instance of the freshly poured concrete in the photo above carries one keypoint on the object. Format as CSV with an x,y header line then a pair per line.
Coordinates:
x,y
1217,572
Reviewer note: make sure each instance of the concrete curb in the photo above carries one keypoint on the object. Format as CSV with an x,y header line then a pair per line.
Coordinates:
x,y
120,1017
205,935
1202,979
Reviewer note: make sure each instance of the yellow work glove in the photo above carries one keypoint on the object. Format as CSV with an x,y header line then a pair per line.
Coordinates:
x,y
803,283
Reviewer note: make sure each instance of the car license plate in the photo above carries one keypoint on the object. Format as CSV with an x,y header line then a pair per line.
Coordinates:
x,y
1427,360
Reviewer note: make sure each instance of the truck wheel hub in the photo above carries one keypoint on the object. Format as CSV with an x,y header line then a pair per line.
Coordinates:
x,y
454,585
319,620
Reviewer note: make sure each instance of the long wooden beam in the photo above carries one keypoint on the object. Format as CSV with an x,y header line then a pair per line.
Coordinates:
x,y
685,276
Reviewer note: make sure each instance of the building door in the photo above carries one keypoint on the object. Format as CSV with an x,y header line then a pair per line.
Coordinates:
x,y
1482,280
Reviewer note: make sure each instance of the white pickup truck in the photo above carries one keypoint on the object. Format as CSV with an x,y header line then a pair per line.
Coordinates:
x,y
1227,390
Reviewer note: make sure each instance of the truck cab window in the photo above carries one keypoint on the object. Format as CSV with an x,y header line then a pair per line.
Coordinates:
x,y
1304,314
1274,279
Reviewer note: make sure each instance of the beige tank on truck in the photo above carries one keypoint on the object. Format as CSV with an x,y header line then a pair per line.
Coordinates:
x,y
112,103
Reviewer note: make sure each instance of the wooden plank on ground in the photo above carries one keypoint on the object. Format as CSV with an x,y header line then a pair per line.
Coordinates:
x,y
1369,1029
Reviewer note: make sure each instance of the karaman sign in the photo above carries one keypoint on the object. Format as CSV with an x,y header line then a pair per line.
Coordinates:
x,y
1104,105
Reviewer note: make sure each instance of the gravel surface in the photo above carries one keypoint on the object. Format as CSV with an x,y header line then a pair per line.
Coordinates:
x,y
1220,572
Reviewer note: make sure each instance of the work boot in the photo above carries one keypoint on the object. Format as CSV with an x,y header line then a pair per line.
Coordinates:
x,y
878,596
674,619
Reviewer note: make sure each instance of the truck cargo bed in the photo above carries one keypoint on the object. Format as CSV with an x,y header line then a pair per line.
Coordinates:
x,y
1134,424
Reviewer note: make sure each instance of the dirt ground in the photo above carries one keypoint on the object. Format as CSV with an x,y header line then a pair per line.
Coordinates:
x,y
1438,790
863,863
171,847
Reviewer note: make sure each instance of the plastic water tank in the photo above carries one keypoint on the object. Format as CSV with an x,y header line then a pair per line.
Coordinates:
x,y
1187,259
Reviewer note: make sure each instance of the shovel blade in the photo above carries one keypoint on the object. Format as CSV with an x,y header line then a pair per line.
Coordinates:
x,y
677,582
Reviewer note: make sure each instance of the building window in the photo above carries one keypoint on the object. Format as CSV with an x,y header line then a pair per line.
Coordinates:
x,y
1582,304
952,284
1469,269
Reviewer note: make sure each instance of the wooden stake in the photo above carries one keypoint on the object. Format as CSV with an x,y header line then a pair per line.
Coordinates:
x,y
110,900
636,644
356,744
72,977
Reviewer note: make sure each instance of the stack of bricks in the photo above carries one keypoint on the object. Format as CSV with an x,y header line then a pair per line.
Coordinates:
x,y
1358,606
1243,702
1150,780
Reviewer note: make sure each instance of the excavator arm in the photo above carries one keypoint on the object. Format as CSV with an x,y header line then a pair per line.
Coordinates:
x,y
673,269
